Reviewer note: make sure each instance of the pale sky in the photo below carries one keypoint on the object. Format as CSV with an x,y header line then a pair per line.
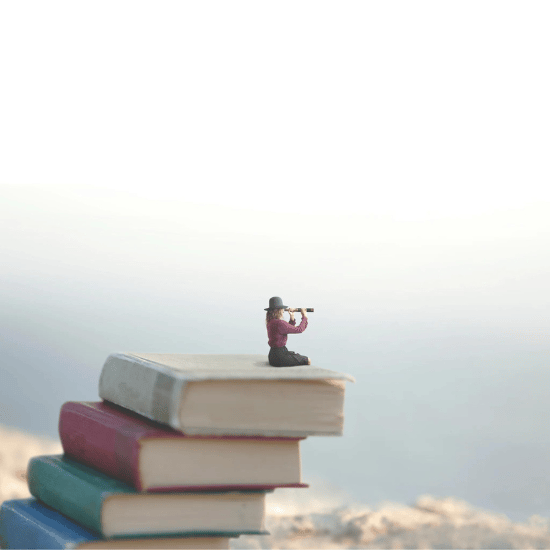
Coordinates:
x,y
166,167
392,151
410,110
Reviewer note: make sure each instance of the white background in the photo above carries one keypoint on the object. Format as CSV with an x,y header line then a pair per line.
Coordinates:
x,y
166,167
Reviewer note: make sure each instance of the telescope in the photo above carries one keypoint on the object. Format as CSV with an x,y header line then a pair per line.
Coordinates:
x,y
308,309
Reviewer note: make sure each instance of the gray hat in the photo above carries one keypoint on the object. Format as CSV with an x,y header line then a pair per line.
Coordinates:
x,y
275,303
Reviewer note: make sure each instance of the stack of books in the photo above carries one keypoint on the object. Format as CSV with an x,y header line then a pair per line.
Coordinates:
x,y
179,453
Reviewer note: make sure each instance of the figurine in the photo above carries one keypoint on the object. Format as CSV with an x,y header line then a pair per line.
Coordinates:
x,y
277,331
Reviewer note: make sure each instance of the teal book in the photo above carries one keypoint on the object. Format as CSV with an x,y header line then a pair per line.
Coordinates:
x,y
115,509
27,523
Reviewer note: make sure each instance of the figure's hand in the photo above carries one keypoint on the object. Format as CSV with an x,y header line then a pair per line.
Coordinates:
x,y
291,310
303,312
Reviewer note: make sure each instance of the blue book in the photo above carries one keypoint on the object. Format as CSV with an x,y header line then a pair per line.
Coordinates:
x,y
27,523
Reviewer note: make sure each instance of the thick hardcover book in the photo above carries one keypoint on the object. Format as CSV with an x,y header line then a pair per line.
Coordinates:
x,y
154,457
226,394
28,523
115,509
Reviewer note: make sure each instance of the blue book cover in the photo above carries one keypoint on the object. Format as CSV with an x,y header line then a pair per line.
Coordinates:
x,y
27,523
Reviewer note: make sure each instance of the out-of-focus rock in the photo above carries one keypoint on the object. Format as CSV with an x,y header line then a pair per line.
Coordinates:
x,y
429,523
16,448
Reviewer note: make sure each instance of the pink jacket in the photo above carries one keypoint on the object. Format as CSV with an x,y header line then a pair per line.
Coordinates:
x,y
277,330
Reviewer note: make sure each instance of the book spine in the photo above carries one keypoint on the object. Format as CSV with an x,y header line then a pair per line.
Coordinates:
x,y
73,497
18,531
26,523
100,441
142,388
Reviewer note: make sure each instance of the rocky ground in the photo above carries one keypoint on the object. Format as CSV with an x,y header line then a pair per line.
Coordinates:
x,y
429,523
16,448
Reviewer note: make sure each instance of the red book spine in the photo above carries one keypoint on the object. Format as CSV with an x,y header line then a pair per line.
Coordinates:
x,y
101,436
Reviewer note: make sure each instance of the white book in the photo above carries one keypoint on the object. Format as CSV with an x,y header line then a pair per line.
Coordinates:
x,y
202,394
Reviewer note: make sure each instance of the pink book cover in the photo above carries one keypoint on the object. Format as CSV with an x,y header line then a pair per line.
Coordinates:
x,y
107,437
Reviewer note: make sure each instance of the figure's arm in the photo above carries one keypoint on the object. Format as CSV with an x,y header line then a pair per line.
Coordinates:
x,y
287,328
292,320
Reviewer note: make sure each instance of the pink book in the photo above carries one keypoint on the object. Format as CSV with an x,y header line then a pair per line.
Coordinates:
x,y
154,457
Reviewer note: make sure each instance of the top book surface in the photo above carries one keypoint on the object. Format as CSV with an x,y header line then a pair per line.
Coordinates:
x,y
202,394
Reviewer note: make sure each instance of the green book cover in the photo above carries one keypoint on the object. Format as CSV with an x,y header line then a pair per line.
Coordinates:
x,y
72,488
80,492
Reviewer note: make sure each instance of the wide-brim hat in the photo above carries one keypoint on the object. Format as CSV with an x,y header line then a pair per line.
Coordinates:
x,y
275,303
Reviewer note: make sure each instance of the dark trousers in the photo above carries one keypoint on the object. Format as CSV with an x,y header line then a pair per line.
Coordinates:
x,y
281,357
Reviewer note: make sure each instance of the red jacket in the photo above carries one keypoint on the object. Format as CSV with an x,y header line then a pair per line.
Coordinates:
x,y
277,330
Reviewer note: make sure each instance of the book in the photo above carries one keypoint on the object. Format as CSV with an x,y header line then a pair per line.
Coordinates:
x,y
206,394
28,523
115,509
154,457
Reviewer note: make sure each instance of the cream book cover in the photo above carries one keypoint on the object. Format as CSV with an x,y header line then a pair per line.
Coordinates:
x,y
205,394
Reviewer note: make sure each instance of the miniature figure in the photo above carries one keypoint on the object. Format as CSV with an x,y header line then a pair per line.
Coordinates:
x,y
277,331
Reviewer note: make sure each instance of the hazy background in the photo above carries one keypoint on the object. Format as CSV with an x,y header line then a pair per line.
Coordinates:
x,y
167,167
